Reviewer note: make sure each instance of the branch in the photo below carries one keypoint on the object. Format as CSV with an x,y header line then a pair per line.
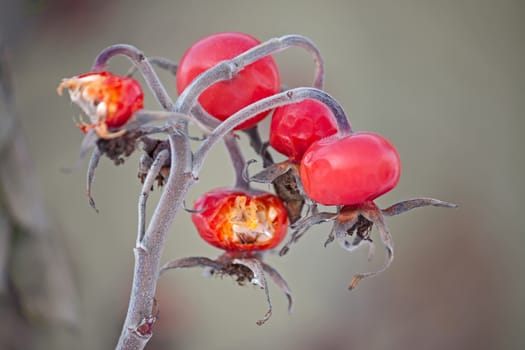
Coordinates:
x,y
238,162
227,70
149,251
142,63
277,100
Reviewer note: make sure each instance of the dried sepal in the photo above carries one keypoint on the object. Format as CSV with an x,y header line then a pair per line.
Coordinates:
x,y
302,226
404,206
352,227
285,178
376,216
119,148
288,189
192,261
242,267
269,174
93,163
345,225
280,283
88,143
370,212
258,279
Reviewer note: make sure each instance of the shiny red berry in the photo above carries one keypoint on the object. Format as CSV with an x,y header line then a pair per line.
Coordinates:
x,y
234,220
256,81
350,170
296,126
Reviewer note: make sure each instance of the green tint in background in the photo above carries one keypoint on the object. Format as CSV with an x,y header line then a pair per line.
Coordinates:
x,y
443,80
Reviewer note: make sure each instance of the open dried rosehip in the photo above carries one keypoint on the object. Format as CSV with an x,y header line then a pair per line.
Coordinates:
x,y
244,223
238,221
107,99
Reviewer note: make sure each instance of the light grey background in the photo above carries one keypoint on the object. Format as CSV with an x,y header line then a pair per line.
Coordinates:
x,y
443,80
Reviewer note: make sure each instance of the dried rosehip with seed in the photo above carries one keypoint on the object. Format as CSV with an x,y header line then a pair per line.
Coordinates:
x,y
240,221
352,169
243,223
108,100
296,126
256,81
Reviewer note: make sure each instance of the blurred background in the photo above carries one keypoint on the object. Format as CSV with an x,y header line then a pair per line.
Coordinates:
x,y
443,80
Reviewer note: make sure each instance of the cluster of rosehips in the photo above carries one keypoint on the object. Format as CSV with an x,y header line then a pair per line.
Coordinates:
x,y
327,162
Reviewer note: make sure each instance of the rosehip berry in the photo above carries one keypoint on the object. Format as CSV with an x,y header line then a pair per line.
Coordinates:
x,y
107,99
350,170
256,81
234,220
296,126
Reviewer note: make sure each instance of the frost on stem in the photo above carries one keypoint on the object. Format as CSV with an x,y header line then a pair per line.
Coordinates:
x,y
227,70
145,328
280,99
177,182
171,162
152,175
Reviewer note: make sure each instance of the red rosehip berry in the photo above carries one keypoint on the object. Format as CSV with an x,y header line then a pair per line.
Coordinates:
x,y
256,81
349,170
296,126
